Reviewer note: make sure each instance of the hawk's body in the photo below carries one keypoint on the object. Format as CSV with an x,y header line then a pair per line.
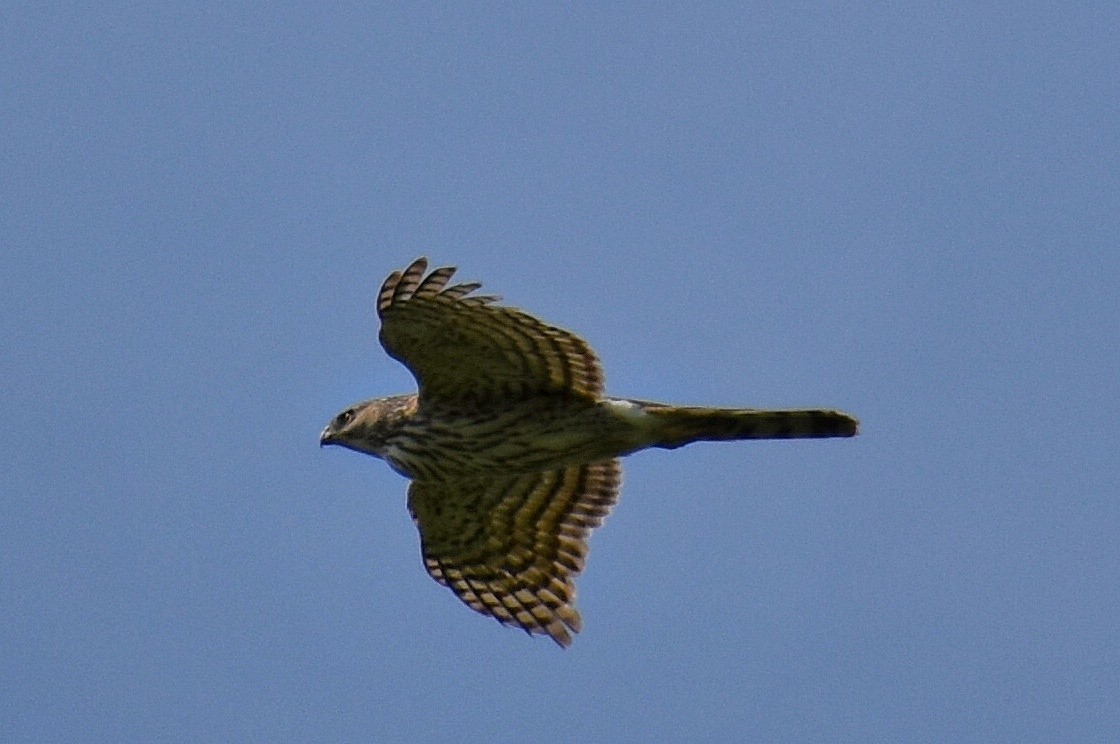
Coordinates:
x,y
512,448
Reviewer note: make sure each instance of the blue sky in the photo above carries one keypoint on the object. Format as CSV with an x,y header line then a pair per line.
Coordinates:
x,y
908,211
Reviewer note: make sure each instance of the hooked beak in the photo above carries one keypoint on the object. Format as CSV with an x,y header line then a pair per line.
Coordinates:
x,y
325,438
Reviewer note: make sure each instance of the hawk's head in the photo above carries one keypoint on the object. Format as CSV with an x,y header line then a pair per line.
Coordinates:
x,y
365,426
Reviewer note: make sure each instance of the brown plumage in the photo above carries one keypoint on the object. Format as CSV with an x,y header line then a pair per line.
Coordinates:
x,y
511,446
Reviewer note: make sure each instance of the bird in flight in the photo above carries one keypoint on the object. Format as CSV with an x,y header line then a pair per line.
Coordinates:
x,y
512,447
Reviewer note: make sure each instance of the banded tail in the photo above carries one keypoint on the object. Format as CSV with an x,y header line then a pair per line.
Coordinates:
x,y
679,425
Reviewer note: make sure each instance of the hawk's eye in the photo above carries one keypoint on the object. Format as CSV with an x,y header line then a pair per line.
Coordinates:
x,y
345,417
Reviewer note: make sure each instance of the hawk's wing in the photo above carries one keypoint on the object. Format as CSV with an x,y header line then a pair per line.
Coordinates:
x,y
460,346
510,546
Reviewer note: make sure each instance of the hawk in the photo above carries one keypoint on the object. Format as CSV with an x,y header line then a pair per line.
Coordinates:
x,y
512,447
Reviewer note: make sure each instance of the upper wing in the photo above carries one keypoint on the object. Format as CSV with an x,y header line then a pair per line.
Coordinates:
x,y
511,546
459,345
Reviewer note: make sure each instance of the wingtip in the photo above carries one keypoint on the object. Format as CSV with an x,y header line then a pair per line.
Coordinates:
x,y
853,424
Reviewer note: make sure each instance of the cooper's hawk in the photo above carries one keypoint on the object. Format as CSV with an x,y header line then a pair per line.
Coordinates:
x,y
511,446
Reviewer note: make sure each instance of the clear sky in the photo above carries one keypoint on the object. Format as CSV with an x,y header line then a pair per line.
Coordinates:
x,y
910,211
